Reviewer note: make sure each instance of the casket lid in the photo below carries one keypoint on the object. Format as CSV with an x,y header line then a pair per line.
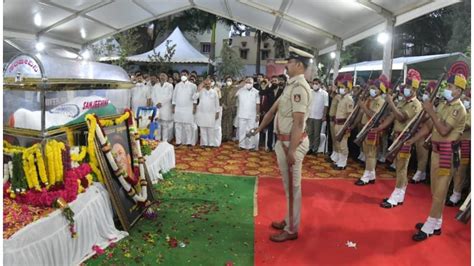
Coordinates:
x,y
55,68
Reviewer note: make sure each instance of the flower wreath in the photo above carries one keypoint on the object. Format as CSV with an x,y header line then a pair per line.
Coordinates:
x,y
95,124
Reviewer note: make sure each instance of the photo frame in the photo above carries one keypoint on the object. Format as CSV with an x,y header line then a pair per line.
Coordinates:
x,y
117,161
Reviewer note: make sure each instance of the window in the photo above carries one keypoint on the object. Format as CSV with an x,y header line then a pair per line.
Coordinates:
x,y
244,53
205,47
264,54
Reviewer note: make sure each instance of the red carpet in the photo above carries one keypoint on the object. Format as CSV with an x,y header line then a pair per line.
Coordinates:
x,y
335,211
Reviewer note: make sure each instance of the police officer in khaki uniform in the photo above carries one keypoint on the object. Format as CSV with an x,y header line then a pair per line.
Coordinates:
x,y
292,111
446,126
422,152
369,146
344,109
462,172
401,115
335,97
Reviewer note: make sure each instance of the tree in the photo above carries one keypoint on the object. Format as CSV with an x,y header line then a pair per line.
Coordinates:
x,y
231,64
162,63
458,19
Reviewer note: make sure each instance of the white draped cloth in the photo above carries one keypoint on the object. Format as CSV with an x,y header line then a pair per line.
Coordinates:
x,y
161,160
48,241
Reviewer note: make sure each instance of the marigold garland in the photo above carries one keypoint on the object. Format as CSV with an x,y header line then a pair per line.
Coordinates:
x,y
81,155
90,147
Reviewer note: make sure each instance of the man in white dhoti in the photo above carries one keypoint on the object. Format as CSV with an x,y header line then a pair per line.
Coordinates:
x,y
218,127
140,94
161,95
207,113
248,110
183,110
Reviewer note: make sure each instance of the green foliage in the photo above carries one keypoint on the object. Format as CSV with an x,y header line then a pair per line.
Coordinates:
x,y
161,63
231,64
129,45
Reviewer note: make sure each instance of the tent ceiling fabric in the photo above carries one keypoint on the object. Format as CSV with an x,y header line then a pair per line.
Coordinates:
x,y
315,24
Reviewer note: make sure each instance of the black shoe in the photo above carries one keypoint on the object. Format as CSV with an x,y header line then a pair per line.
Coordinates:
x,y
335,167
449,203
389,168
420,236
387,205
411,181
328,159
359,182
435,232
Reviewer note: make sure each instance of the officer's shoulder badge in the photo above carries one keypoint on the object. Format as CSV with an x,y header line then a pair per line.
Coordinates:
x,y
297,98
455,112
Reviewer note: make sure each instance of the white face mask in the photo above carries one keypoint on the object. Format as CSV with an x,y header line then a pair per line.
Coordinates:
x,y
342,90
213,84
316,87
406,92
184,78
373,93
448,95
425,97
467,104
228,83
248,86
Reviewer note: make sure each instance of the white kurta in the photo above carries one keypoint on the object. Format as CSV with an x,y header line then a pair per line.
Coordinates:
x,y
247,101
140,95
207,108
185,128
163,94
183,101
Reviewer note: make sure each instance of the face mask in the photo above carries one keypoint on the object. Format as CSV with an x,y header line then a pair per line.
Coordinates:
x,y
425,97
212,84
316,87
248,86
407,92
467,104
448,95
228,83
184,78
372,93
342,90
400,98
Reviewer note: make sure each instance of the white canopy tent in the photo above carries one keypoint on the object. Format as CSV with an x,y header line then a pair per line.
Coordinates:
x,y
184,52
430,66
321,25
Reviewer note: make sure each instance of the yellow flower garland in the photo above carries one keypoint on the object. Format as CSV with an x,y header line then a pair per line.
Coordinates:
x,y
54,159
41,167
69,135
79,157
90,147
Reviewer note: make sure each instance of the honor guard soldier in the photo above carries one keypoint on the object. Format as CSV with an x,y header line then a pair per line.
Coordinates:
x,y
291,110
446,127
401,115
369,146
422,152
343,110
335,97
462,172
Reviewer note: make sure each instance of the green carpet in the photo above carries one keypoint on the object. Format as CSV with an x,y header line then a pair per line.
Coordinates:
x,y
203,219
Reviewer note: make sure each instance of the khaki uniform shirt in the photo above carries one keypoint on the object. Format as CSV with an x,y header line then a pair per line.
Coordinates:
x,y
410,108
374,105
296,97
334,102
453,114
344,107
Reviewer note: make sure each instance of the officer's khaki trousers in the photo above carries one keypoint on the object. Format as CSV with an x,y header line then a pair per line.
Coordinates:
x,y
342,147
370,152
332,127
401,165
283,165
439,186
421,155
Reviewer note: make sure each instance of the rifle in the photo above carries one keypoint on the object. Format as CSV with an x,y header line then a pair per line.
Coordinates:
x,y
411,128
374,120
350,120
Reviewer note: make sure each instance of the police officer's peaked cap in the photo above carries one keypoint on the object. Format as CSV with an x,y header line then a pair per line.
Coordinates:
x,y
299,54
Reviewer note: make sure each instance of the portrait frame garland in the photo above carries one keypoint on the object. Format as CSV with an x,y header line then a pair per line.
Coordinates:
x,y
130,196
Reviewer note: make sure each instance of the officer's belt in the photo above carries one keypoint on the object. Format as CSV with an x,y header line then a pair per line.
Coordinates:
x,y
340,121
283,137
